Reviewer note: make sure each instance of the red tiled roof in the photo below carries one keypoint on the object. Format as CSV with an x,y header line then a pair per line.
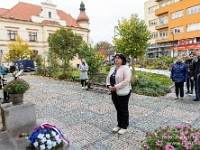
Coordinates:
x,y
103,52
68,18
3,10
50,22
24,11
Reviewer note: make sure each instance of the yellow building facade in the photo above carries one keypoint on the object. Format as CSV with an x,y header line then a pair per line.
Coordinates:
x,y
176,27
35,23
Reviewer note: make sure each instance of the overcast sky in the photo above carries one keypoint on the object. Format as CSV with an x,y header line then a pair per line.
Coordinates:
x,y
103,14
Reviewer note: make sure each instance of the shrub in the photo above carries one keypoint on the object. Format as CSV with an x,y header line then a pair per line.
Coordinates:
x,y
149,87
108,66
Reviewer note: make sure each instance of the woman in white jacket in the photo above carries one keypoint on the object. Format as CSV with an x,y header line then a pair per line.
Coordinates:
x,y
83,67
119,77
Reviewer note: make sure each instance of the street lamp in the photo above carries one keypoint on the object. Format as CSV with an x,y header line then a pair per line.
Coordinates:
x,y
115,32
108,52
173,41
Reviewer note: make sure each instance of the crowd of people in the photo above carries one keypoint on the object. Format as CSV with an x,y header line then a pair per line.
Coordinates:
x,y
119,76
189,72
14,69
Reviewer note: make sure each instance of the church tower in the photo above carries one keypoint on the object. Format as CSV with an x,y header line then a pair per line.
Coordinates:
x,y
83,19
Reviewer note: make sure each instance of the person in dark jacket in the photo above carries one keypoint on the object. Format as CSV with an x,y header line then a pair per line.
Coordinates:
x,y
195,71
179,75
190,83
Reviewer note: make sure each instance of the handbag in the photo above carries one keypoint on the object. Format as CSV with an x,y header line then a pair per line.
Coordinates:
x,y
124,91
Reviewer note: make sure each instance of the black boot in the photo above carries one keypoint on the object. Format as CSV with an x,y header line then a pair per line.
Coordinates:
x,y
6,101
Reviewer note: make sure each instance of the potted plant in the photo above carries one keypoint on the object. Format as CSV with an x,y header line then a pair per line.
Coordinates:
x,y
16,89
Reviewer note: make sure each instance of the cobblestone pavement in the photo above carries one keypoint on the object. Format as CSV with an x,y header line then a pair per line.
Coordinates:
x,y
87,117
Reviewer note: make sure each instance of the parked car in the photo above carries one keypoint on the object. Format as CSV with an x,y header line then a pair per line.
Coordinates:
x,y
28,65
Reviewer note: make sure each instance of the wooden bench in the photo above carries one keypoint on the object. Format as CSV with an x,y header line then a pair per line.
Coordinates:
x,y
75,77
98,79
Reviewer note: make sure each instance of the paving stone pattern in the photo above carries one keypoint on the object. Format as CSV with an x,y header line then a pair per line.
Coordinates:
x,y
87,116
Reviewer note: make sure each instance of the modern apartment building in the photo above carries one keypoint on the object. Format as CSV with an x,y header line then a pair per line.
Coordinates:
x,y
175,26
36,23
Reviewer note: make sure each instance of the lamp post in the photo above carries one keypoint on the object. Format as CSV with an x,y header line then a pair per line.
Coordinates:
x,y
173,41
115,34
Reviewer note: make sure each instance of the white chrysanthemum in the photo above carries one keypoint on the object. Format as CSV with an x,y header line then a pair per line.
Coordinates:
x,y
48,136
49,142
43,140
35,144
57,137
59,141
53,133
40,136
49,146
42,147
54,144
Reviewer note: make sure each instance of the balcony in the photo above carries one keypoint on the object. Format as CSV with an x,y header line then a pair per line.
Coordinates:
x,y
159,0
162,39
161,26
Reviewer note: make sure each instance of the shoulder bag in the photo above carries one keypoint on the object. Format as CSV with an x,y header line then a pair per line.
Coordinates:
x,y
124,91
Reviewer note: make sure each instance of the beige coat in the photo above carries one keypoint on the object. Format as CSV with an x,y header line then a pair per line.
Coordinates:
x,y
122,77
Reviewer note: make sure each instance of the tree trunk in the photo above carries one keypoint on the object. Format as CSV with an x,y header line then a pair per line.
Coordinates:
x,y
133,66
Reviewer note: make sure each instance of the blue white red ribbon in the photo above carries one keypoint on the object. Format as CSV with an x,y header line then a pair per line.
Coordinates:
x,y
49,126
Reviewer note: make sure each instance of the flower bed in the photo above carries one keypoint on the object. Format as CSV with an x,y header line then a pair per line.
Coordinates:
x,y
178,138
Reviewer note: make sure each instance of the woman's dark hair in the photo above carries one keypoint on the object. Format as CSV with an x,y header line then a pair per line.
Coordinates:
x,y
123,57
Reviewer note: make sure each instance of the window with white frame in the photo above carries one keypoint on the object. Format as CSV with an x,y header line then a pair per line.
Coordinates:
x,y
163,20
198,26
177,30
174,1
193,10
164,4
177,14
154,35
164,34
32,36
153,22
152,9
193,27
50,15
12,35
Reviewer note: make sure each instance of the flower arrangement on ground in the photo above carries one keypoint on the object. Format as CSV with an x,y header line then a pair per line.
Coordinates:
x,y
18,86
178,138
46,137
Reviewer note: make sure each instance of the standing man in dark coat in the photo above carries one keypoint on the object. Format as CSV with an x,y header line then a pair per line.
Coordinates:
x,y
195,71
190,83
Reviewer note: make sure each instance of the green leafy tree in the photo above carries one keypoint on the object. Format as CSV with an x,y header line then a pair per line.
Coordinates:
x,y
102,44
18,50
64,45
38,59
133,37
94,59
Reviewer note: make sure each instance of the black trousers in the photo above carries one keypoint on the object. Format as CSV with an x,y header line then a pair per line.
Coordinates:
x,y
83,82
179,87
190,83
5,96
121,105
195,86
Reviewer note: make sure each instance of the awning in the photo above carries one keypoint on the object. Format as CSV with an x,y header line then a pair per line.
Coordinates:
x,y
186,47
